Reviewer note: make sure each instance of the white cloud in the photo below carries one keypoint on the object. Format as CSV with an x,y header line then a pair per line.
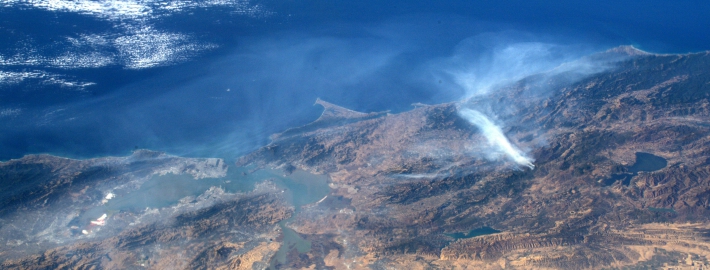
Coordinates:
x,y
148,47
14,77
134,42
117,10
9,112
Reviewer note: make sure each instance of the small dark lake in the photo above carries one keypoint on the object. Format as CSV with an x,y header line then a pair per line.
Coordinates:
x,y
661,210
473,233
645,162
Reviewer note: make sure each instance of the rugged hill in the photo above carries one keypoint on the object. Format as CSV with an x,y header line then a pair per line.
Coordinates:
x,y
47,203
620,178
621,174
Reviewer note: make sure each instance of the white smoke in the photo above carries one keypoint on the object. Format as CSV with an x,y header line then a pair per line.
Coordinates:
x,y
495,137
505,64
486,64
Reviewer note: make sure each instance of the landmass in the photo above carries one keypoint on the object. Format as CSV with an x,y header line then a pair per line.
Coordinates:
x,y
620,179
405,181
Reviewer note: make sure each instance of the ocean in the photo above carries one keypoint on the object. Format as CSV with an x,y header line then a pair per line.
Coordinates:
x,y
82,80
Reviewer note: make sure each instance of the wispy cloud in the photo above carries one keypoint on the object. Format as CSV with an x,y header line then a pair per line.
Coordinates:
x,y
13,77
135,40
135,10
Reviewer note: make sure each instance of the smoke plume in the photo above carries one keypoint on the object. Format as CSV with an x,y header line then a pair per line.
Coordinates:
x,y
495,137
484,66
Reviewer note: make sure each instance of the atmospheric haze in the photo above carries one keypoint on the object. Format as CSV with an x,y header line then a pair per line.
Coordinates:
x,y
484,65
229,104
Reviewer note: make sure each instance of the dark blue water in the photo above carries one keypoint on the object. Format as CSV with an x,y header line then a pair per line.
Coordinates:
x,y
267,71
645,162
661,210
473,233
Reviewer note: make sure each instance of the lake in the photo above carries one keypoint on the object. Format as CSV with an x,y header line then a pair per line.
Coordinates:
x,y
645,162
473,233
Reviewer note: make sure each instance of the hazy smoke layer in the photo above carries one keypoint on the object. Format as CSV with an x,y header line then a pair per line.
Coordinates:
x,y
495,137
482,66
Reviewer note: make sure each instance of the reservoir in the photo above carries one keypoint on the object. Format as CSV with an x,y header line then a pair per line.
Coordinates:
x,y
472,233
645,162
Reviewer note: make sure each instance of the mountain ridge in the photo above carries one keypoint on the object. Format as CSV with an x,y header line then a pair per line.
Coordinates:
x,y
621,179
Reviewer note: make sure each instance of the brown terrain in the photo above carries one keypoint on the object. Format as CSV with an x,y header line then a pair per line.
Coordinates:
x,y
404,181
213,230
621,179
